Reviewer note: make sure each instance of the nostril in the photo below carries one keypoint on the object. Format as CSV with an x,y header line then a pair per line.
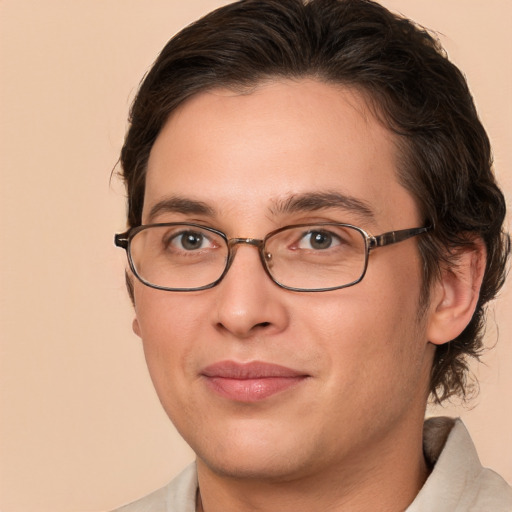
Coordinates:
x,y
243,333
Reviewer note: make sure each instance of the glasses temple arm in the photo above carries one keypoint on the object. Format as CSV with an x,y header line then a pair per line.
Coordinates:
x,y
393,237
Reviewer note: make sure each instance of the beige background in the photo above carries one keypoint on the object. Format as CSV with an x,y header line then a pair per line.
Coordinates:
x,y
80,426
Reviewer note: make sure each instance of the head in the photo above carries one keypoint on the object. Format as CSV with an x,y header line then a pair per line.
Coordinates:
x,y
443,154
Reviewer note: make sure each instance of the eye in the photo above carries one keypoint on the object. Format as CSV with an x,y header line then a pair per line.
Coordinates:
x,y
190,241
318,240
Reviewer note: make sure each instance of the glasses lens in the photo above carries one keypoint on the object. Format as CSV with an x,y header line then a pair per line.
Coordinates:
x,y
313,257
178,256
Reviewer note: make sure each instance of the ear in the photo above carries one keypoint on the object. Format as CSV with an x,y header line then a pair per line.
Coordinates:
x,y
136,327
454,296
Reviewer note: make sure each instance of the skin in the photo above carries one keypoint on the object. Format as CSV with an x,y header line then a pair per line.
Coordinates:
x,y
347,437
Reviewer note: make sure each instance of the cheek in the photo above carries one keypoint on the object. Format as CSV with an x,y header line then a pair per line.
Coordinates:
x,y
171,326
165,317
370,333
168,327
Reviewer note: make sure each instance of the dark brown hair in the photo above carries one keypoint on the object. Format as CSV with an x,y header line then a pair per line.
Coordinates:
x,y
416,91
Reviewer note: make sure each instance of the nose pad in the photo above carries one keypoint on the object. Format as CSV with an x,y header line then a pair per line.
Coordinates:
x,y
267,260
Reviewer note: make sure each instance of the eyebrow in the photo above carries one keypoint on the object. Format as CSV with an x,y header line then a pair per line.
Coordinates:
x,y
310,202
182,205
298,203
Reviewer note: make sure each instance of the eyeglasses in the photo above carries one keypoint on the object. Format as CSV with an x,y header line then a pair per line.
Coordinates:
x,y
303,257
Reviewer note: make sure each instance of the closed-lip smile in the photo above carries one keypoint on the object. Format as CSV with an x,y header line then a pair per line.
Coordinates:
x,y
250,382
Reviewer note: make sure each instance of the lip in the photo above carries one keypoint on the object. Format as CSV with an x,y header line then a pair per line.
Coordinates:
x,y
250,382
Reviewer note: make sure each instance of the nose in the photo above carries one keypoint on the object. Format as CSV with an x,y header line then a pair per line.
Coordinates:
x,y
248,302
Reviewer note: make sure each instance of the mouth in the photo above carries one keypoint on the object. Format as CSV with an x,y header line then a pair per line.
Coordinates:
x,y
250,382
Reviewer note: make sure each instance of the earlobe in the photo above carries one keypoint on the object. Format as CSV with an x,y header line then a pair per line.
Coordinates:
x,y
136,327
455,295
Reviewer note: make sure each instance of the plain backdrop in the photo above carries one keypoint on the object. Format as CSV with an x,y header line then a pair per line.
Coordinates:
x,y
80,426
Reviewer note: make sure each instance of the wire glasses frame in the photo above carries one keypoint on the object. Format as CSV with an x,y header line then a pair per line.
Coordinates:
x,y
366,241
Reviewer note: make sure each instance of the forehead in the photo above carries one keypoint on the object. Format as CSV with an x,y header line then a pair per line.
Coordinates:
x,y
242,151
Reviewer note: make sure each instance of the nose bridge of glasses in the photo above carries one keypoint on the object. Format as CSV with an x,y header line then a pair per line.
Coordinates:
x,y
234,242
256,242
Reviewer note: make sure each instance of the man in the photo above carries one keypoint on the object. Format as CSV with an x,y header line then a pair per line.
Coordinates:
x,y
314,233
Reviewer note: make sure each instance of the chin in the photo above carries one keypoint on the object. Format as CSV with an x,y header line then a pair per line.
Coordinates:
x,y
253,455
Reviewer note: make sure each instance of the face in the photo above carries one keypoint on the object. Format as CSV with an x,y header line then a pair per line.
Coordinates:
x,y
261,381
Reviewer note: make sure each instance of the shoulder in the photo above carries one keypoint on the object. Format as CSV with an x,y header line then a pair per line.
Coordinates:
x,y
177,496
458,482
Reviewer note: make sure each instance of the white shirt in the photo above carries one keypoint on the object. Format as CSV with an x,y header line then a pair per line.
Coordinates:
x,y
457,483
